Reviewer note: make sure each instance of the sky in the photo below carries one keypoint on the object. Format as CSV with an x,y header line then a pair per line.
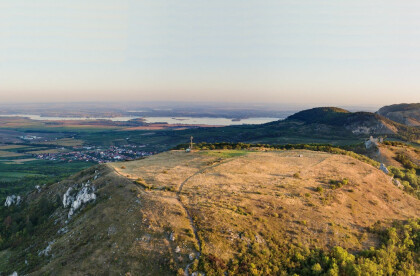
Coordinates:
x,y
307,52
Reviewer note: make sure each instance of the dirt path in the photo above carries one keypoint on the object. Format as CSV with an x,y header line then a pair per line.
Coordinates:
x,y
178,196
189,216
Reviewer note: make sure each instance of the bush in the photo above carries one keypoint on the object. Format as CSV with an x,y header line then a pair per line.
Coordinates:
x,y
397,255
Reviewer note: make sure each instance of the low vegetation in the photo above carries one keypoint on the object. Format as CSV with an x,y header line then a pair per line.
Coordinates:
x,y
408,178
21,178
397,254
312,147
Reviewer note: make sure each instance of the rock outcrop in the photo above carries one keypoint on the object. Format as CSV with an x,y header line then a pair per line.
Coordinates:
x,y
383,168
75,198
12,200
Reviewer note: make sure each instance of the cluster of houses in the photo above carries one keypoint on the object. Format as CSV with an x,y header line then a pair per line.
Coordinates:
x,y
96,154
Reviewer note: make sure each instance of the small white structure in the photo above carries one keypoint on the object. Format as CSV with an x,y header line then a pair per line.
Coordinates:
x,y
191,145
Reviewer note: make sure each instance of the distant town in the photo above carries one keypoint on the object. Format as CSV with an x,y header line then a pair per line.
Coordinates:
x,y
96,154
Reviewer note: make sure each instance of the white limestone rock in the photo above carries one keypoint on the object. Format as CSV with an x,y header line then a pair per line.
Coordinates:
x,y
12,200
383,168
397,183
46,252
112,230
76,199
259,239
67,198
62,230
9,201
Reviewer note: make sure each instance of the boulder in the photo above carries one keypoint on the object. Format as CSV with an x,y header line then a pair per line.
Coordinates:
x,y
383,168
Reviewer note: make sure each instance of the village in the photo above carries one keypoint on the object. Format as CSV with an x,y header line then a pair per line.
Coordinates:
x,y
96,154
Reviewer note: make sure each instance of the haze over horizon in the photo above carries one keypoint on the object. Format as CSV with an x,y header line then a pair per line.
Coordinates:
x,y
289,52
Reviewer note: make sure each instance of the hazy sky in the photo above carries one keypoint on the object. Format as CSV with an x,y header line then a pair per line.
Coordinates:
x,y
316,52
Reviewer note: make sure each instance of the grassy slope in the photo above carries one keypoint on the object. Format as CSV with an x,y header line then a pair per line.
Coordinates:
x,y
233,197
402,113
245,195
388,154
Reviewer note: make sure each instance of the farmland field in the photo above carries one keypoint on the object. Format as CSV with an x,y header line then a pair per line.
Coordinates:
x,y
22,177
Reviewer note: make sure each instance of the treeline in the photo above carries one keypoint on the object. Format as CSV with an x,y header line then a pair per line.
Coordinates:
x,y
398,254
314,147
406,162
394,143
408,133
21,221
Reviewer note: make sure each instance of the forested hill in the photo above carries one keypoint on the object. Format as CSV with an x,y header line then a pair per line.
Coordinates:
x,y
325,125
336,121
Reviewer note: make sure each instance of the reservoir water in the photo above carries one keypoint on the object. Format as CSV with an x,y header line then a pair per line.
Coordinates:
x,y
169,120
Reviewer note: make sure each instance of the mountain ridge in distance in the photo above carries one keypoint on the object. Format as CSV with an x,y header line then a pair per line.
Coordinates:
x,y
408,114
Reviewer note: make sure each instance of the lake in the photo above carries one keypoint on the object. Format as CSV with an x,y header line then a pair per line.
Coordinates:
x,y
169,120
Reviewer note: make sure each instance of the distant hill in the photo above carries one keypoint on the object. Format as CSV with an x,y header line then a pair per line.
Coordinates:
x,y
337,122
408,114
357,122
223,211
318,125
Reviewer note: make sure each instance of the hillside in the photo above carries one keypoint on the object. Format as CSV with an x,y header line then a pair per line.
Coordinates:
x,y
333,120
318,125
161,214
388,154
357,122
408,114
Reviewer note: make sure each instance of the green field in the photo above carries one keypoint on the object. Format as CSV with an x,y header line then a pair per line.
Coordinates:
x,y
226,154
20,178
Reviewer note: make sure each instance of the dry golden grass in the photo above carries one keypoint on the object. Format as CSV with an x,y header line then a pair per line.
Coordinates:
x,y
17,161
388,154
233,198
260,192
6,147
4,153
